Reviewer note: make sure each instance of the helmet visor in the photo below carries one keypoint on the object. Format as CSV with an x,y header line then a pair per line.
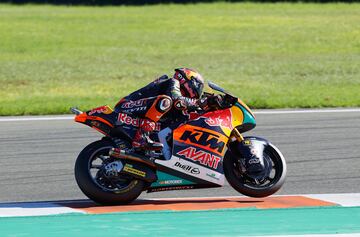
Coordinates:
x,y
197,88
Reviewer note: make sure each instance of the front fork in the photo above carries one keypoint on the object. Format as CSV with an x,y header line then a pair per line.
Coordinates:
x,y
236,135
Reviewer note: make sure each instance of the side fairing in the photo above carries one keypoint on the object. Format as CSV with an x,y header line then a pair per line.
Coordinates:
x,y
200,145
190,173
198,150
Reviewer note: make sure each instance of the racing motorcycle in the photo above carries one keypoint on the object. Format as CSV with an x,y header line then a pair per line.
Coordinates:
x,y
199,153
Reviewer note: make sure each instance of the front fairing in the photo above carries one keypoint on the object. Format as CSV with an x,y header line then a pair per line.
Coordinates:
x,y
239,115
224,121
244,118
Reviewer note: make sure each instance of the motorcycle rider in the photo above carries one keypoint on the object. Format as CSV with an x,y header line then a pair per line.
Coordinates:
x,y
168,99
164,96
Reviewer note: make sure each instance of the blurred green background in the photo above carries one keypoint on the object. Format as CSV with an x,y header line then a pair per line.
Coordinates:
x,y
274,55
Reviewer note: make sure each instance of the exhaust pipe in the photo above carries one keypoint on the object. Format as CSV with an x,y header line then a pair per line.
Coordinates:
x,y
122,154
137,166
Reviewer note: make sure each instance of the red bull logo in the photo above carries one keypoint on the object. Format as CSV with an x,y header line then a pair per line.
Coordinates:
x,y
220,118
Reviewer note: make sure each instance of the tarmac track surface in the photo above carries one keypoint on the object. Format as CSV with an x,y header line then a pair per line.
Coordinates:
x,y
322,150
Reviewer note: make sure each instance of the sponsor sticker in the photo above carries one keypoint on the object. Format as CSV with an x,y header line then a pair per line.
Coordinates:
x,y
213,176
169,182
171,188
135,122
131,104
218,121
247,142
203,138
200,156
135,109
187,168
103,109
220,118
129,168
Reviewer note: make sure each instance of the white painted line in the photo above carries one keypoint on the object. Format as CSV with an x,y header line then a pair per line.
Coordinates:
x,y
34,209
345,200
270,111
54,208
35,118
342,199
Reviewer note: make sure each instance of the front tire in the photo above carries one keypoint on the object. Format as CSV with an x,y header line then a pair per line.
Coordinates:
x,y
238,179
94,184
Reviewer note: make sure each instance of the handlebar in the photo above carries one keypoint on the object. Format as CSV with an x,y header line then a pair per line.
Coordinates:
x,y
216,102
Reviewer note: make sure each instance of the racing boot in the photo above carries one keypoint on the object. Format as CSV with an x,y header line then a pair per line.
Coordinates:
x,y
142,140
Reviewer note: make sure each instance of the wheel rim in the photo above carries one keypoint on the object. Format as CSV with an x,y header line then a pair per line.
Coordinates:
x,y
96,168
273,176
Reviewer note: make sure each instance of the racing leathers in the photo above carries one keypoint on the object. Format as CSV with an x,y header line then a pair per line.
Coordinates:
x,y
159,101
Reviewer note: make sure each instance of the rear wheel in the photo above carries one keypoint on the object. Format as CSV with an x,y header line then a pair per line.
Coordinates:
x,y
97,177
271,182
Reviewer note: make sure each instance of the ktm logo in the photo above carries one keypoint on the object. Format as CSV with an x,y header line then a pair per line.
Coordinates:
x,y
203,138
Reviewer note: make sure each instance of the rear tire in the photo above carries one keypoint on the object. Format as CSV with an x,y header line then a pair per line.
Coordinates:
x,y
240,183
94,187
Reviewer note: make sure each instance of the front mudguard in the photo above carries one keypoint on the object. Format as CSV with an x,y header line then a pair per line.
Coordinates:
x,y
251,149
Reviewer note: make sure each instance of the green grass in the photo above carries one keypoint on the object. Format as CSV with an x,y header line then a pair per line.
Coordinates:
x,y
271,55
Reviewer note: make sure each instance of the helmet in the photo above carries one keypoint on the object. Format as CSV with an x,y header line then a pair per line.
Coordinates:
x,y
191,82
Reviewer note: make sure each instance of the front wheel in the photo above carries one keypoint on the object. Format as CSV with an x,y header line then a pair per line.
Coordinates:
x,y
243,183
99,183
